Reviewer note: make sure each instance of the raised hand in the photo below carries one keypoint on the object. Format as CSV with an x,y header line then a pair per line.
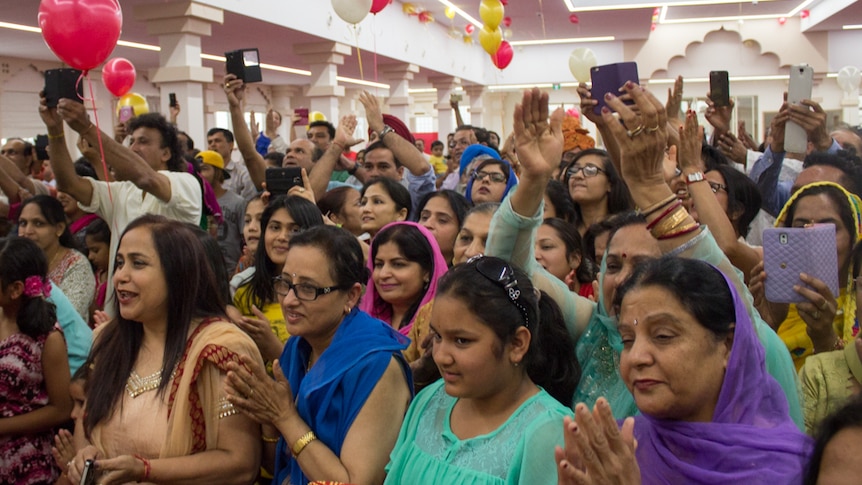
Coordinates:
x,y
673,106
538,139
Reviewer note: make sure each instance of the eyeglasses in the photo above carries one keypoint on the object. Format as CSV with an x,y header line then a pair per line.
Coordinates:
x,y
498,271
589,171
715,186
495,177
302,291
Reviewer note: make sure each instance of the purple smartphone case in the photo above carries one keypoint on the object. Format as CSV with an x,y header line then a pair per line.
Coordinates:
x,y
788,251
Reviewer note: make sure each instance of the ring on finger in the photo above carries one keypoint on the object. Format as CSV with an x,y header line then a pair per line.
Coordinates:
x,y
816,314
637,131
653,129
823,305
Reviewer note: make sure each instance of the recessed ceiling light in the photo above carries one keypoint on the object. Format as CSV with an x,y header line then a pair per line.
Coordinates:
x,y
606,38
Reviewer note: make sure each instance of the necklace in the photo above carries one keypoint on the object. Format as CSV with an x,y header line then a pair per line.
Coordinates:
x,y
137,385
54,259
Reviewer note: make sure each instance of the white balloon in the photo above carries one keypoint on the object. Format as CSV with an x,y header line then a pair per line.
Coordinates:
x,y
352,11
580,62
849,78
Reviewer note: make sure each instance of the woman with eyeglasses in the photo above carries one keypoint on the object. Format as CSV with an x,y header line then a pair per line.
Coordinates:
x,y
490,181
341,385
508,372
255,298
722,198
596,188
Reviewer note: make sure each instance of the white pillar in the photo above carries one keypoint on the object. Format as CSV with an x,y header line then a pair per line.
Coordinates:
x,y
323,59
179,27
445,86
475,92
399,77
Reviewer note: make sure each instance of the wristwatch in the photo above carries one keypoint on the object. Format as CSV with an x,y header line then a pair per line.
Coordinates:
x,y
694,177
385,131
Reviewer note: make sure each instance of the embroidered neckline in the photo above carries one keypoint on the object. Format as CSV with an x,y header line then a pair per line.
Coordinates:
x,y
137,385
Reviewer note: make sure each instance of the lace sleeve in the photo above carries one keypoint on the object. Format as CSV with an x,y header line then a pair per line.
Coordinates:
x,y
79,285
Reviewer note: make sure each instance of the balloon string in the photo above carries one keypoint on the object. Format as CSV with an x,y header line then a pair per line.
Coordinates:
x,y
374,47
542,15
99,136
358,52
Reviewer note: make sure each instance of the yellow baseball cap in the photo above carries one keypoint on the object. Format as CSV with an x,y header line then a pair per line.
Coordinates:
x,y
213,158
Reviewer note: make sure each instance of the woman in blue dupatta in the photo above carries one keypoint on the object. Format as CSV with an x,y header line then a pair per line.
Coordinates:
x,y
711,413
341,386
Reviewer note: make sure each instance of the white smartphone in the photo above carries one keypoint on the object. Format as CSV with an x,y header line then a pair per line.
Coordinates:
x,y
801,82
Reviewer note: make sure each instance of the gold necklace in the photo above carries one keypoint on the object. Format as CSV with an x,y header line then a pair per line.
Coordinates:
x,y
137,385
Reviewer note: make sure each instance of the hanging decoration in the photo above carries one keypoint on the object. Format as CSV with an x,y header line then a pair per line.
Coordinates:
x,y
82,33
504,55
378,5
352,11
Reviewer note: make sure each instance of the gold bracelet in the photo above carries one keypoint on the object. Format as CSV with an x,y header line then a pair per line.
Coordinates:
x,y
56,137
658,205
267,439
670,223
301,443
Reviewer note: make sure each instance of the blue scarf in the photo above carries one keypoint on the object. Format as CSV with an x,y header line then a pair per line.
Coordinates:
x,y
331,394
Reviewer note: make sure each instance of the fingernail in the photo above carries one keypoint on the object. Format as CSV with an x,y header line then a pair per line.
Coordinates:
x,y
629,84
605,110
565,465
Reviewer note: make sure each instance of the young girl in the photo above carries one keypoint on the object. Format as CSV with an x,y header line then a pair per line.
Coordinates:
x,y
34,368
509,373
98,241
250,233
66,443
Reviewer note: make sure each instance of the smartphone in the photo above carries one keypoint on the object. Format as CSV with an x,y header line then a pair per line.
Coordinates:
x,y
41,144
126,113
719,88
303,116
63,83
244,64
609,79
88,477
280,180
788,251
799,88
173,100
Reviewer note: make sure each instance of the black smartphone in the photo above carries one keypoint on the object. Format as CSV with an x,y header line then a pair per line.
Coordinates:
x,y
719,88
41,144
88,477
173,100
609,79
63,83
244,64
280,180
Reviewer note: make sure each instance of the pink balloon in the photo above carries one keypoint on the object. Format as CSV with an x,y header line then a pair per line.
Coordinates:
x,y
82,33
503,56
118,75
379,5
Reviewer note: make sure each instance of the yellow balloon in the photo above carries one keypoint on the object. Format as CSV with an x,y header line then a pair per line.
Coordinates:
x,y
450,13
137,102
409,8
468,40
490,39
491,12
316,116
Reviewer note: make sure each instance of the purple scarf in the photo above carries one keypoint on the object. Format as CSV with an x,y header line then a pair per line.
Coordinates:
x,y
375,306
751,438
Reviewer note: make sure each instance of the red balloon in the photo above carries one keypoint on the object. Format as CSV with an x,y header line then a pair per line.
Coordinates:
x,y
504,2
118,75
379,5
573,18
503,56
82,33
507,21
469,29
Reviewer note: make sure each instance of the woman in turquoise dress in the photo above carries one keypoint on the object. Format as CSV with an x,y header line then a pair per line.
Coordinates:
x,y
508,374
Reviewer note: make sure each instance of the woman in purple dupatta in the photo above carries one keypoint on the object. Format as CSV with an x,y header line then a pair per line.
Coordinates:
x,y
713,418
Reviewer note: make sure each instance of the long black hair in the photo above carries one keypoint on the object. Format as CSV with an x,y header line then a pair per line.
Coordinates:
x,y
20,260
306,215
52,211
192,293
550,361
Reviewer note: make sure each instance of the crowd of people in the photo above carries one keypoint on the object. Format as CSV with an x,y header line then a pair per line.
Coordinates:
x,y
542,311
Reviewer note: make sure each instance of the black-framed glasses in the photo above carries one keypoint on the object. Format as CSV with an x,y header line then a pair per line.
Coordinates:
x,y
495,177
304,292
588,170
498,271
715,186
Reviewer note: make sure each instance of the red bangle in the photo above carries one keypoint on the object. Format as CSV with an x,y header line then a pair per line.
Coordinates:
x,y
664,214
146,467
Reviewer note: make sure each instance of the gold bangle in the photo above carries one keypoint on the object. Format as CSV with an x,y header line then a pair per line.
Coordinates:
x,y
301,443
670,223
658,205
267,439
56,137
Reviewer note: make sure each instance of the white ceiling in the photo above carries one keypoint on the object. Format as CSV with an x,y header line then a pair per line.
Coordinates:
x,y
531,20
